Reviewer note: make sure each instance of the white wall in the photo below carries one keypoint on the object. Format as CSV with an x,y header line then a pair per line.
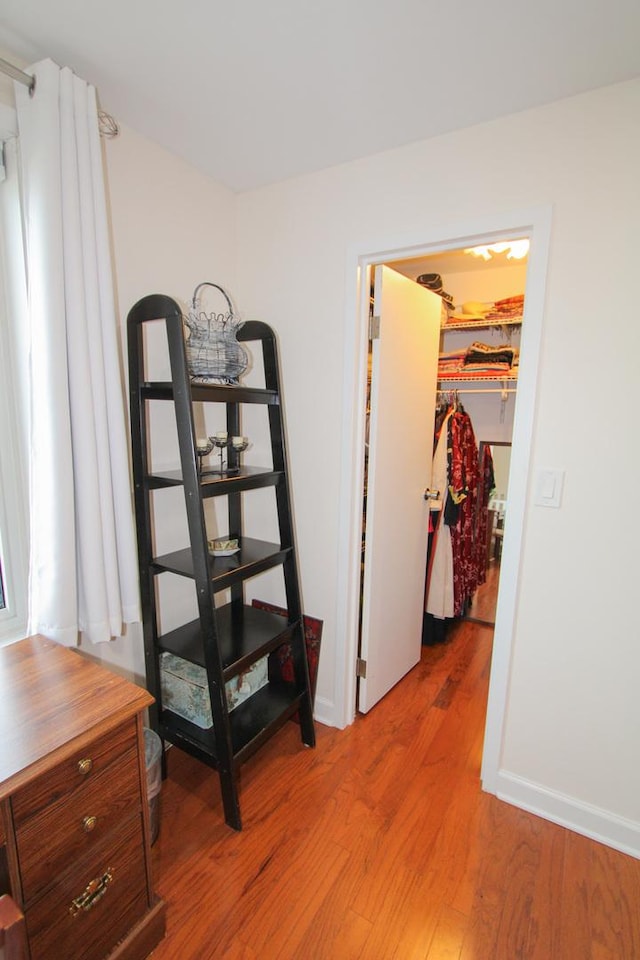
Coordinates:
x,y
172,228
572,723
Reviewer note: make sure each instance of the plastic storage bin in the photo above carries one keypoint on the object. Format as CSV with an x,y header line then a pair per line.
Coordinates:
x,y
153,764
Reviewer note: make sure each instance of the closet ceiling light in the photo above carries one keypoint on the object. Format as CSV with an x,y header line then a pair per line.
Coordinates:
x,y
514,249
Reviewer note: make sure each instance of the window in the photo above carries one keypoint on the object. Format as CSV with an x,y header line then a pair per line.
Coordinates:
x,y
13,508
13,473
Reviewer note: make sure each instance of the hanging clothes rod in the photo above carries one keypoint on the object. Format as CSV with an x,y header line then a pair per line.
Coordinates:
x,y
16,74
484,390
501,390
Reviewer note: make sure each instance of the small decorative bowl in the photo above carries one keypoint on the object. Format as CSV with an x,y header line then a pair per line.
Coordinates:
x,y
224,547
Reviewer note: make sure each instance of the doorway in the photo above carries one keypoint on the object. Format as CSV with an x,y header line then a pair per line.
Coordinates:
x,y
534,224
482,318
460,345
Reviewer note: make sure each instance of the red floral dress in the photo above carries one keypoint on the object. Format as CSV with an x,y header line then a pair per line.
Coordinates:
x,y
464,475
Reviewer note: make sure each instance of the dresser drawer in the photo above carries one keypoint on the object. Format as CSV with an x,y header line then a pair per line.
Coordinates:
x,y
57,836
92,906
69,775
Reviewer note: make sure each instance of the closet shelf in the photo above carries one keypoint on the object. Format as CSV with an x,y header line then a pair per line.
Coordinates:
x,y
482,324
475,378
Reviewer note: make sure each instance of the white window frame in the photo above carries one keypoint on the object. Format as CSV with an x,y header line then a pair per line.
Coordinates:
x,y
14,526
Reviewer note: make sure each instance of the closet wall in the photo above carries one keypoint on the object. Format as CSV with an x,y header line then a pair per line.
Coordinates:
x,y
492,420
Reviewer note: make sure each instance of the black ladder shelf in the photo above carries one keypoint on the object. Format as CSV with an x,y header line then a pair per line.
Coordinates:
x,y
228,638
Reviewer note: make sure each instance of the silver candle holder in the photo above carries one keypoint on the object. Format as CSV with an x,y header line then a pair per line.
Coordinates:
x,y
221,441
239,443
204,446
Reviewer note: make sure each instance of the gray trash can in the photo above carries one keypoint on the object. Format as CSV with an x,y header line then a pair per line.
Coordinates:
x,y
153,763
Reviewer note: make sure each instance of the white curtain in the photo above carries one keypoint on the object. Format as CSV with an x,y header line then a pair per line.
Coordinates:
x,y
83,574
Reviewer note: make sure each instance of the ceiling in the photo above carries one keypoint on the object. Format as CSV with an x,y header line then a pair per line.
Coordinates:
x,y
252,92
453,261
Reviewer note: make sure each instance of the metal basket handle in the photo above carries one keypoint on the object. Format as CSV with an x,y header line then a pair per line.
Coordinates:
x,y
207,283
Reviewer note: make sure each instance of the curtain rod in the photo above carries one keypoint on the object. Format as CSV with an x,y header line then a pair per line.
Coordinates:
x,y
19,75
107,125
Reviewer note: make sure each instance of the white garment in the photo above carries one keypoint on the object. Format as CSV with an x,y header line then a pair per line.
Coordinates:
x,y
440,589
440,467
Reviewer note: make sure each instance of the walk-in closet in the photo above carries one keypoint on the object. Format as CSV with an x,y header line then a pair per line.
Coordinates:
x,y
483,294
465,412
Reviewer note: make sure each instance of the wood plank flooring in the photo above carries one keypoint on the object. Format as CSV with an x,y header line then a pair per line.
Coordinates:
x,y
380,845
485,600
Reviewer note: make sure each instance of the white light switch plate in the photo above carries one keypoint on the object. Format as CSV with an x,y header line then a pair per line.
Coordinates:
x,y
548,487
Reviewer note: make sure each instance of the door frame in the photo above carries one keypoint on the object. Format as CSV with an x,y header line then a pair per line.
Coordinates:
x,y
534,223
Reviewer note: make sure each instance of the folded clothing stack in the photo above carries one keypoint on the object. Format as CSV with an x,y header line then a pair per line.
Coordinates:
x,y
483,357
479,359
450,363
507,310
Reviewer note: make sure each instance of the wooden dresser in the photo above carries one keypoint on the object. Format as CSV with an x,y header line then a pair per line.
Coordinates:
x,y
74,821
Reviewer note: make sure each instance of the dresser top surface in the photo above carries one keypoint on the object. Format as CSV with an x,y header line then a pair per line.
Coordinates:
x,y
52,701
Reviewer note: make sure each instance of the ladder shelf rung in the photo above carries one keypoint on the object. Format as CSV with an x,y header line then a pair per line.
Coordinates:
x,y
216,484
255,720
210,393
252,723
254,557
244,635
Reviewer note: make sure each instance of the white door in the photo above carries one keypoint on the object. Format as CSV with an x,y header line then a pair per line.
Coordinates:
x,y
403,388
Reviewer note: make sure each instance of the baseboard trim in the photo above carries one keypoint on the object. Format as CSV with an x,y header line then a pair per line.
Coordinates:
x,y
582,818
324,711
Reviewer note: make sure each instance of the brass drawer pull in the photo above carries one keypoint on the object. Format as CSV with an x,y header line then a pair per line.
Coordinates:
x,y
85,766
93,892
89,824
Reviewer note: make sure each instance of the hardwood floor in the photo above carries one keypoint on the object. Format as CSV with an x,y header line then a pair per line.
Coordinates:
x,y
485,600
380,845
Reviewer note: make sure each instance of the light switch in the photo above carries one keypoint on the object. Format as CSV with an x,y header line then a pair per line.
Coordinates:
x,y
548,488
547,485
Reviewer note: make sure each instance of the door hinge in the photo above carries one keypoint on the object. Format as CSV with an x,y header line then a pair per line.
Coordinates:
x,y
361,669
374,327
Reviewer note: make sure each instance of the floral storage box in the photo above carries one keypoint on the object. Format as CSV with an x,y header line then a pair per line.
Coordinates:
x,y
185,691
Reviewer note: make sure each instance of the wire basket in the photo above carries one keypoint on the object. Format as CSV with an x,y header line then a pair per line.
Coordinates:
x,y
213,352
